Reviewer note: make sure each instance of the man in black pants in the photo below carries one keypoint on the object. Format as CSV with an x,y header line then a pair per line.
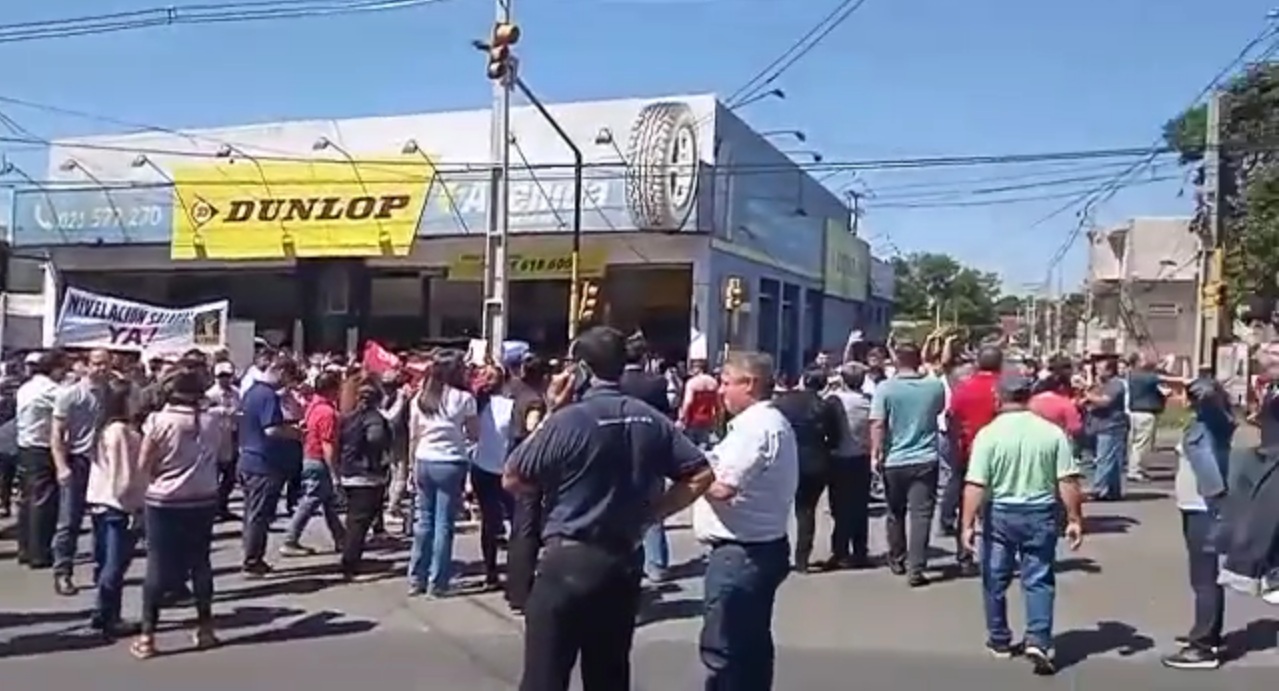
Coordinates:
x,y
904,444
849,493
265,461
526,388
818,424
38,510
599,455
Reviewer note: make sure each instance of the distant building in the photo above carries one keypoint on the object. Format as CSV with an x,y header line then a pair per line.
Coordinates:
x,y
1141,286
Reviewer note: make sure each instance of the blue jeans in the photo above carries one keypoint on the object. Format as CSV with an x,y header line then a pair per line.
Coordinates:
x,y
113,543
439,497
657,553
317,495
1025,536
71,508
737,629
1111,461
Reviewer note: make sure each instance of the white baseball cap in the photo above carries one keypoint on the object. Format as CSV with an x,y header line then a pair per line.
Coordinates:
x,y
32,358
224,369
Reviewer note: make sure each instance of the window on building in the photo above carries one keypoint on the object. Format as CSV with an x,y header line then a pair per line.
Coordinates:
x,y
1163,310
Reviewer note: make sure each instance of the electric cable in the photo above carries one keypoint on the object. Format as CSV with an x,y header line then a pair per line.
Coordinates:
x,y
796,52
252,11
1108,190
741,168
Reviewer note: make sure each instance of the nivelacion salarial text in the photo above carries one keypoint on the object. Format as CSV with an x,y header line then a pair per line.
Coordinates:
x,y
80,306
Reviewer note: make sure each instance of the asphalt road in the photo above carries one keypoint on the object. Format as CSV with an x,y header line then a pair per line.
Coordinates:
x,y
1121,601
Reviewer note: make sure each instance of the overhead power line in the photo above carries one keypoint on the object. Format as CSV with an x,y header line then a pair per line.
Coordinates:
x,y
1107,190
795,52
251,11
769,168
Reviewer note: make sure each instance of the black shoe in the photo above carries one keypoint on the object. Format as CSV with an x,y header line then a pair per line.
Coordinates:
x,y
1040,660
1002,651
64,586
257,571
917,580
1192,657
968,569
1184,642
897,568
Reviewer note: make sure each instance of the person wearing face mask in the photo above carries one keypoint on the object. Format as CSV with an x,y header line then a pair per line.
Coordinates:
x,y
73,441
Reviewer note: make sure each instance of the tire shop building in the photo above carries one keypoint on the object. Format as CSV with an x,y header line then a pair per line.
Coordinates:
x,y
334,231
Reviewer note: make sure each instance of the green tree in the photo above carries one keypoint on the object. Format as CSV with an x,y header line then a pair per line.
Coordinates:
x,y
931,285
1249,180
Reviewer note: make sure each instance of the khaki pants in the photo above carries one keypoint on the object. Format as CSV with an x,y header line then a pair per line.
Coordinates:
x,y
1141,440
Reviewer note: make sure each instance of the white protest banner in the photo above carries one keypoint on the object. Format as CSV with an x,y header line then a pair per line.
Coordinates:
x,y
90,320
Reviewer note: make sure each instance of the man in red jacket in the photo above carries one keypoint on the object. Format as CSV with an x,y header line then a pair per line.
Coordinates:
x,y
974,402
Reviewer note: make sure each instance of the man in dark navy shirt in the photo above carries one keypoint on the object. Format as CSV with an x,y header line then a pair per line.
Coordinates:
x,y
265,464
651,388
599,457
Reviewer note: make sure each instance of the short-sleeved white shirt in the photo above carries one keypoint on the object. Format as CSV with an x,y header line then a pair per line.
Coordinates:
x,y
440,436
759,458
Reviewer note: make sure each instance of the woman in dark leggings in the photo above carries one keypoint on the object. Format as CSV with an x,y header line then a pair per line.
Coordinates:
x,y
487,459
179,454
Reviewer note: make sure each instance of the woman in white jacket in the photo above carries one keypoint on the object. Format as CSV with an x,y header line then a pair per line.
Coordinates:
x,y
115,495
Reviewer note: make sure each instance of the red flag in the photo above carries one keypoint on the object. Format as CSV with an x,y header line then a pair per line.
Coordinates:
x,y
378,359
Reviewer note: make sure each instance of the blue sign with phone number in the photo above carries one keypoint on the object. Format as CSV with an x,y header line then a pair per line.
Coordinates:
x,y
92,216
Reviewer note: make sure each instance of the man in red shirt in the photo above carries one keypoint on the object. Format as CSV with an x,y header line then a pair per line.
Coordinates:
x,y
319,465
974,402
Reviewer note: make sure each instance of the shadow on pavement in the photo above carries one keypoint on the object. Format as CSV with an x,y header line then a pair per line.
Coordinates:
x,y
304,581
1108,525
1258,636
13,620
1076,646
1077,565
326,624
1138,496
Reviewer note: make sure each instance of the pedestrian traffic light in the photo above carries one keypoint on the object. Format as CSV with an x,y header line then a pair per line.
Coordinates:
x,y
734,294
590,301
504,36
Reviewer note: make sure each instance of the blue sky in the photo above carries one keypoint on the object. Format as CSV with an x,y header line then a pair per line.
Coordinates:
x,y
902,78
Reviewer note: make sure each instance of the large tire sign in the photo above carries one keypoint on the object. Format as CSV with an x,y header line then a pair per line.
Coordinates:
x,y
662,171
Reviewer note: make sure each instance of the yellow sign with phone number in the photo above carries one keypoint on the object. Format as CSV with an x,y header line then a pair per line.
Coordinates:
x,y
531,265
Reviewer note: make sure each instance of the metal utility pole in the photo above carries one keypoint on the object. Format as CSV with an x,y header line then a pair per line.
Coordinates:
x,y
496,255
1059,340
575,255
1214,318
1033,320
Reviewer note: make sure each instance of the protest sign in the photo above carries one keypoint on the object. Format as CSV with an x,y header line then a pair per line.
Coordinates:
x,y
91,320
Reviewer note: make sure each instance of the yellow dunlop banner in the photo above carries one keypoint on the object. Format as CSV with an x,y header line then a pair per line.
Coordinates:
x,y
532,265
244,209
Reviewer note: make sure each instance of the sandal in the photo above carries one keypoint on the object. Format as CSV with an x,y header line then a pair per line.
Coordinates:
x,y
142,648
204,639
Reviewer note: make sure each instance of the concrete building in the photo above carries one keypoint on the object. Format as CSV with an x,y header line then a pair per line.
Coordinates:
x,y
335,231
1142,287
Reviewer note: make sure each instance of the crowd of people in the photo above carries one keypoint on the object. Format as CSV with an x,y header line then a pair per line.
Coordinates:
x,y
573,467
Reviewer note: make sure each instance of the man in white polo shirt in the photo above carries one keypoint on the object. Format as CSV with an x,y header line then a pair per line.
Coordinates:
x,y
743,518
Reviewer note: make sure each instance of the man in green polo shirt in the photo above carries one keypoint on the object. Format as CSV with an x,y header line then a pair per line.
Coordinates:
x,y
1021,465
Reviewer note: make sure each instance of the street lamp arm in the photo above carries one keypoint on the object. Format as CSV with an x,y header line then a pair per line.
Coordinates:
x,y
575,256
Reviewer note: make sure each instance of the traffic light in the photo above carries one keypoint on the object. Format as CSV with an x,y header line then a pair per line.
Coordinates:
x,y
499,50
590,301
734,294
1214,295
